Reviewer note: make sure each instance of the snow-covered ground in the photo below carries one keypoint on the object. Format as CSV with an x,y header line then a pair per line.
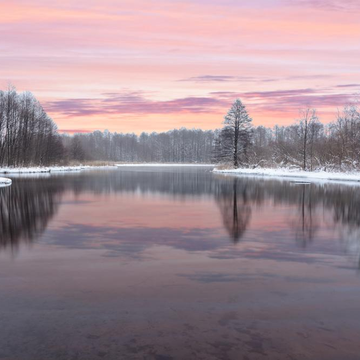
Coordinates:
x,y
27,170
162,164
55,169
309,176
5,182
50,169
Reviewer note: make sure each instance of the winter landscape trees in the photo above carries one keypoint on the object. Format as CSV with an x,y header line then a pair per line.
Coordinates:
x,y
29,137
307,143
27,134
234,139
175,146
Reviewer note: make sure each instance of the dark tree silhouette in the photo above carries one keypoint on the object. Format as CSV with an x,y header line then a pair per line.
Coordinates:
x,y
235,138
26,208
28,136
235,207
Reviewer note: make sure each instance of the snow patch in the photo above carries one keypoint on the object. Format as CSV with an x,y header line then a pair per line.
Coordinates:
x,y
27,170
296,174
5,182
50,169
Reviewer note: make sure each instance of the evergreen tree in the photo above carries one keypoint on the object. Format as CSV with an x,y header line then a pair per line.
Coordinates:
x,y
235,137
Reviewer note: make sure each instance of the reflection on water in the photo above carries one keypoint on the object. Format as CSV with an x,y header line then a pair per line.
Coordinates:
x,y
177,263
25,210
232,199
30,203
307,222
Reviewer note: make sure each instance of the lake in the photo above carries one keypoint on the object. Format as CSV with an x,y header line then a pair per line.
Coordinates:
x,y
178,263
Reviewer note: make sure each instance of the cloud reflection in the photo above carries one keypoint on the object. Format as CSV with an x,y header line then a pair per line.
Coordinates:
x,y
266,219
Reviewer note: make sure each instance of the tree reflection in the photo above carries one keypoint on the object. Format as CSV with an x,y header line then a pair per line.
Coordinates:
x,y
25,210
306,224
347,216
27,206
235,208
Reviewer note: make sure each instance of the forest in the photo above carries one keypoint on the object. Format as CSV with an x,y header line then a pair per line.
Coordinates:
x,y
29,137
175,146
306,144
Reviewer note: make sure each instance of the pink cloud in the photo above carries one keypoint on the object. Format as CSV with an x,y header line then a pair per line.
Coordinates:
x,y
137,103
348,5
185,55
133,103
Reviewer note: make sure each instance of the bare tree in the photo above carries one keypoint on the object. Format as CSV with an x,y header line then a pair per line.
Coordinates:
x,y
306,125
235,138
175,146
27,134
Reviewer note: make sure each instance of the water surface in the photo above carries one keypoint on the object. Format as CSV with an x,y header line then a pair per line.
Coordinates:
x,y
178,263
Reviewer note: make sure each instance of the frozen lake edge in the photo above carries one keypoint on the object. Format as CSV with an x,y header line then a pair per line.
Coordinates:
x,y
310,176
5,182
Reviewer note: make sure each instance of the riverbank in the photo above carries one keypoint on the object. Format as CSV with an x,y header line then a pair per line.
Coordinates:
x,y
55,169
50,169
5,182
28,170
310,176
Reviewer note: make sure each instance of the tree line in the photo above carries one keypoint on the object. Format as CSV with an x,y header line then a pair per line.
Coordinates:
x,y
175,146
307,143
28,136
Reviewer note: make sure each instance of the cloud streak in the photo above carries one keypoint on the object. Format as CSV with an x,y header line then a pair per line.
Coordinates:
x,y
137,103
225,78
133,103
228,78
347,5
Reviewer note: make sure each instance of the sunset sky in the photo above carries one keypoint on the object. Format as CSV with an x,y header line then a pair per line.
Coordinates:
x,y
154,65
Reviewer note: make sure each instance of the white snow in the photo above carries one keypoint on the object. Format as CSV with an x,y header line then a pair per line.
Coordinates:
x,y
5,182
295,174
27,170
161,164
50,169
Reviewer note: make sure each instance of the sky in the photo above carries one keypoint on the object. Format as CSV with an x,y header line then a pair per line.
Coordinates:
x,y
155,65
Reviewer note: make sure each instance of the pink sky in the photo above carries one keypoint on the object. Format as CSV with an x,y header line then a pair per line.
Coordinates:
x,y
154,65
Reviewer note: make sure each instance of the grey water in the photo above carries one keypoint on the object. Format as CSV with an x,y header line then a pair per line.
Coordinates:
x,y
178,263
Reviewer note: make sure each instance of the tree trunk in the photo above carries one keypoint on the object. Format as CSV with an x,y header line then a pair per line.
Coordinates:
x,y
236,140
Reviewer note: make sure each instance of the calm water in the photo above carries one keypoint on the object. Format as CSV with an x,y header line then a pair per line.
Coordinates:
x,y
178,263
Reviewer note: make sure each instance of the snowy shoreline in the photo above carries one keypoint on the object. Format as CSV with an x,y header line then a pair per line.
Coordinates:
x,y
29,170
5,182
309,176
56,169
50,169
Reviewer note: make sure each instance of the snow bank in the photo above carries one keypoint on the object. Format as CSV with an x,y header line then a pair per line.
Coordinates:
x,y
5,182
50,169
162,164
295,174
24,170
